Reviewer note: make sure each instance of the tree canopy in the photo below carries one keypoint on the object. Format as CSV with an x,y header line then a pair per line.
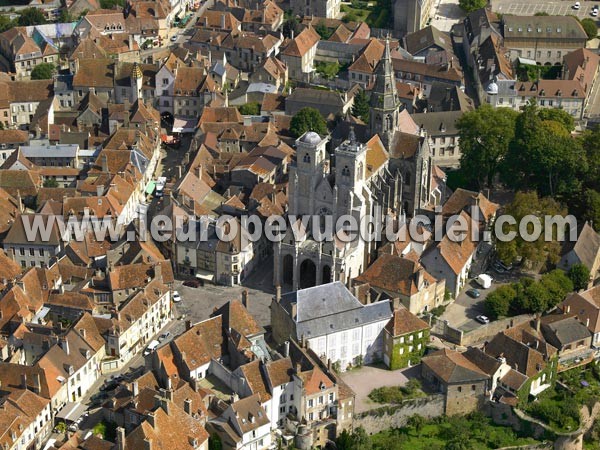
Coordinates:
x,y
250,109
485,135
590,27
580,276
360,108
471,5
31,16
538,252
42,71
308,119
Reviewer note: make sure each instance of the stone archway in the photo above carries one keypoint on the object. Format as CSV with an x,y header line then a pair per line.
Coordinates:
x,y
326,274
288,269
308,274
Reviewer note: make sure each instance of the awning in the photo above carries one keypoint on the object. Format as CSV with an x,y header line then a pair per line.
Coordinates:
x,y
71,412
184,125
150,187
205,275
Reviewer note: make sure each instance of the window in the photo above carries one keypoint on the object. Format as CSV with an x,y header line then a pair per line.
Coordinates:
x,y
320,399
473,387
310,416
459,389
32,252
310,403
22,251
330,397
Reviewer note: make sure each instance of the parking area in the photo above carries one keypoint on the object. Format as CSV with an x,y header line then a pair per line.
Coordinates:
x,y
365,379
198,303
554,8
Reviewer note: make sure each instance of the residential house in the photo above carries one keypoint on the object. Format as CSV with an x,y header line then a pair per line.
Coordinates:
x,y
442,132
586,307
35,240
299,55
243,425
504,382
463,383
272,71
334,323
192,90
570,337
452,260
329,9
526,352
585,250
362,70
545,40
10,140
27,47
403,278
423,75
429,45
582,65
477,27
405,339
25,99
328,103
165,82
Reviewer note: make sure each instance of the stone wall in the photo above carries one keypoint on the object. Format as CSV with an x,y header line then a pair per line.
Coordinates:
x,y
490,330
395,416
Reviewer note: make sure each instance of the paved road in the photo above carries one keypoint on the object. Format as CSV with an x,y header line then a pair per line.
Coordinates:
x,y
198,303
446,14
529,8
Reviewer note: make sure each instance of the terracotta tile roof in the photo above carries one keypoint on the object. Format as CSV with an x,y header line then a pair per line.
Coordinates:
x,y
306,40
341,34
439,71
395,274
315,381
376,156
456,254
462,199
249,413
14,137
572,89
452,367
169,431
369,57
221,20
273,102
235,316
220,115
279,371
97,72
201,343
257,383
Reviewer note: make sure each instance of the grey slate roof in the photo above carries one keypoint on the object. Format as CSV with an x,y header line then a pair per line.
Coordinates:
x,y
50,151
565,331
330,308
441,123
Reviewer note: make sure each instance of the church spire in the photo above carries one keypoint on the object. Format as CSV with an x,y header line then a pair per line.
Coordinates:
x,y
383,117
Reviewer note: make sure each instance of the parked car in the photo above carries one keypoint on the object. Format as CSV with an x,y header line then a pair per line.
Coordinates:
x,y
174,38
176,297
473,293
193,283
166,335
577,5
484,280
482,319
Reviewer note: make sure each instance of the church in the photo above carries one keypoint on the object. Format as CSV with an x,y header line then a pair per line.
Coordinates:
x,y
389,173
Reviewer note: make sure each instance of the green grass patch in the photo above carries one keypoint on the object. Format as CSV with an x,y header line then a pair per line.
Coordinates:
x,y
556,407
473,432
528,72
397,394
377,16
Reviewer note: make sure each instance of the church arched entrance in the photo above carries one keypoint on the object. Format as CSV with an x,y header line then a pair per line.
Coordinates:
x,y
308,274
326,274
288,269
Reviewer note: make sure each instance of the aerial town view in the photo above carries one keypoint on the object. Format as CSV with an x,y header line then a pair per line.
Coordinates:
x,y
299,224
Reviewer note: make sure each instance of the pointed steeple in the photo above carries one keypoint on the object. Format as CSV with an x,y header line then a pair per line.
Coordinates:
x,y
384,103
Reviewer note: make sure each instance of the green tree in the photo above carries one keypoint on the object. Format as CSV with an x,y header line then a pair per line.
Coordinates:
x,y
557,285
291,26
51,183
323,31
250,109
308,119
590,202
6,23
498,303
559,115
541,13
327,70
42,71
350,17
543,157
485,135
539,251
417,422
214,442
471,5
65,16
360,108
590,27
31,16
580,276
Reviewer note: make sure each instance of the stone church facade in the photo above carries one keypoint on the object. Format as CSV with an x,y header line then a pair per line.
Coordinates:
x,y
390,173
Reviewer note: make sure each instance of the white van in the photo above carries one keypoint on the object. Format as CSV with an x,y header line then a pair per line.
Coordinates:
x,y
485,281
151,347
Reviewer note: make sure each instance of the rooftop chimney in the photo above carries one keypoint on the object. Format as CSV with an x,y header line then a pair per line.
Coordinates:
x,y
135,388
120,438
23,380
64,344
286,349
187,406
245,298
278,293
